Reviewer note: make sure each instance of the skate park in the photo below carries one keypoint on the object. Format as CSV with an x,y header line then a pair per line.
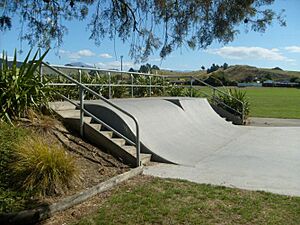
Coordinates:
x,y
188,138
203,147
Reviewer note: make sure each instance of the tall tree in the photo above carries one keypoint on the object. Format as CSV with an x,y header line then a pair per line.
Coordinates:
x,y
149,25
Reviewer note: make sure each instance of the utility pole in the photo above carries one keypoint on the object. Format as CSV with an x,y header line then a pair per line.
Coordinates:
x,y
121,63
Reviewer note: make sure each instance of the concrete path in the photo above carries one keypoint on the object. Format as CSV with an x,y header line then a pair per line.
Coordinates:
x,y
207,149
273,122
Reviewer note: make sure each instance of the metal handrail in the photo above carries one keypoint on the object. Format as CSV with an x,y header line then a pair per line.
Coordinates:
x,y
191,79
213,88
97,119
82,110
220,102
224,93
208,85
107,85
103,70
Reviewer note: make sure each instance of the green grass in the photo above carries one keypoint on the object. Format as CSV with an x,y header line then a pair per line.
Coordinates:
x,y
274,102
10,200
167,201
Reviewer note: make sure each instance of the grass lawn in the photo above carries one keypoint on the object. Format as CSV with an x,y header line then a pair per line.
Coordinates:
x,y
168,201
274,102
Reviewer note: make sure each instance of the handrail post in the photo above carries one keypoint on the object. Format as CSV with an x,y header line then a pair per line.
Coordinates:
x,y
109,85
81,94
138,146
131,85
191,86
79,73
150,86
243,113
164,89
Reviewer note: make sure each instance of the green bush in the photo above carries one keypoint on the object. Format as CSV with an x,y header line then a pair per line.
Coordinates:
x,y
179,91
236,99
9,135
21,88
10,200
43,167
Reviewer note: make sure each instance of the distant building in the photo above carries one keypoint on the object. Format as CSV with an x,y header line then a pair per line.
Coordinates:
x,y
271,83
250,84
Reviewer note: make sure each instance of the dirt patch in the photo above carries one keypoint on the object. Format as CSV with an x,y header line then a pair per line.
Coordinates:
x,y
95,164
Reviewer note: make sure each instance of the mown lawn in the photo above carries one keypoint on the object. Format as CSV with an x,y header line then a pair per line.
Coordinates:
x,y
168,201
274,102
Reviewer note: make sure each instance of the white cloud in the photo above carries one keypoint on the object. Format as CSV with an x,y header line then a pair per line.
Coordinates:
x,y
85,53
105,55
77,55
293,49
115,65
252,53
10,58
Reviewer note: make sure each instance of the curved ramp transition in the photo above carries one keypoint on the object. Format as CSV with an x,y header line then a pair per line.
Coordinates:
x,y
187,131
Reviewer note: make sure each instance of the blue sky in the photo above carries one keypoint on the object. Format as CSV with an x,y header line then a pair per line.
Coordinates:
x,y
278,46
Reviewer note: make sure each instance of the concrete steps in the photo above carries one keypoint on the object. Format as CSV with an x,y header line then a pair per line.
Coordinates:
x,y
98,134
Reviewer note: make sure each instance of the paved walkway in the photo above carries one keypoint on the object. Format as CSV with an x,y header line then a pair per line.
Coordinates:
x,y
273,122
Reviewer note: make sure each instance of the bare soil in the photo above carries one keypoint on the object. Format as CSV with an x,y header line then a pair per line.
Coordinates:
x,y
95,164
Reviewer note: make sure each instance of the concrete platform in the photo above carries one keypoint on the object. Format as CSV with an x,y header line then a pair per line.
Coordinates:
x,y
206,148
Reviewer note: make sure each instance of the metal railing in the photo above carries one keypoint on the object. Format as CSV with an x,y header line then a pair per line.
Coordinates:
x,y
110,84
82,89
187,80
214,98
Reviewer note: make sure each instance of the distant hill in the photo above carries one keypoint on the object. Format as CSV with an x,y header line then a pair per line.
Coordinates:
x,y
10,63
196,73
240,73
79,64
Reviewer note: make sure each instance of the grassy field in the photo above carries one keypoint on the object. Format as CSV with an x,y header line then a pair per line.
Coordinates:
x,y
274,102
271,102
167,201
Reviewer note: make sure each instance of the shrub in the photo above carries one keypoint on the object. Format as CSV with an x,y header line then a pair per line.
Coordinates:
x,y
21,88
233,100
8,137
43,168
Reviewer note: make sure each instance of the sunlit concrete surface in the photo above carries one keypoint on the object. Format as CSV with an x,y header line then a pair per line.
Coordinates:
x,y
208,149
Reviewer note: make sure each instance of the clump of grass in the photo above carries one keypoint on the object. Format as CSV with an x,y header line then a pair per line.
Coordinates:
x,y
9,135
44,168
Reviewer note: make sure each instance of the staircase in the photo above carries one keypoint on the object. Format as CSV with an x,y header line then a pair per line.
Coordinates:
x,y
98,134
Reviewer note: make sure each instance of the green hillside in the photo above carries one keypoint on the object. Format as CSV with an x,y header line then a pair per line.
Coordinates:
x,y
241,72
196,73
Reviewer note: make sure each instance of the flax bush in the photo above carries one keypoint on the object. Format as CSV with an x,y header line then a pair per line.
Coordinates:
x,y
234,99
21,88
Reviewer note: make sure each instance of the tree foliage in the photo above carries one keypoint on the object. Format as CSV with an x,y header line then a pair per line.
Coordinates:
x,y
149,25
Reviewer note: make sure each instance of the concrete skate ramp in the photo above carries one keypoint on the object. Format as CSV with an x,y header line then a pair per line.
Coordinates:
x,y
207,149
187,131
